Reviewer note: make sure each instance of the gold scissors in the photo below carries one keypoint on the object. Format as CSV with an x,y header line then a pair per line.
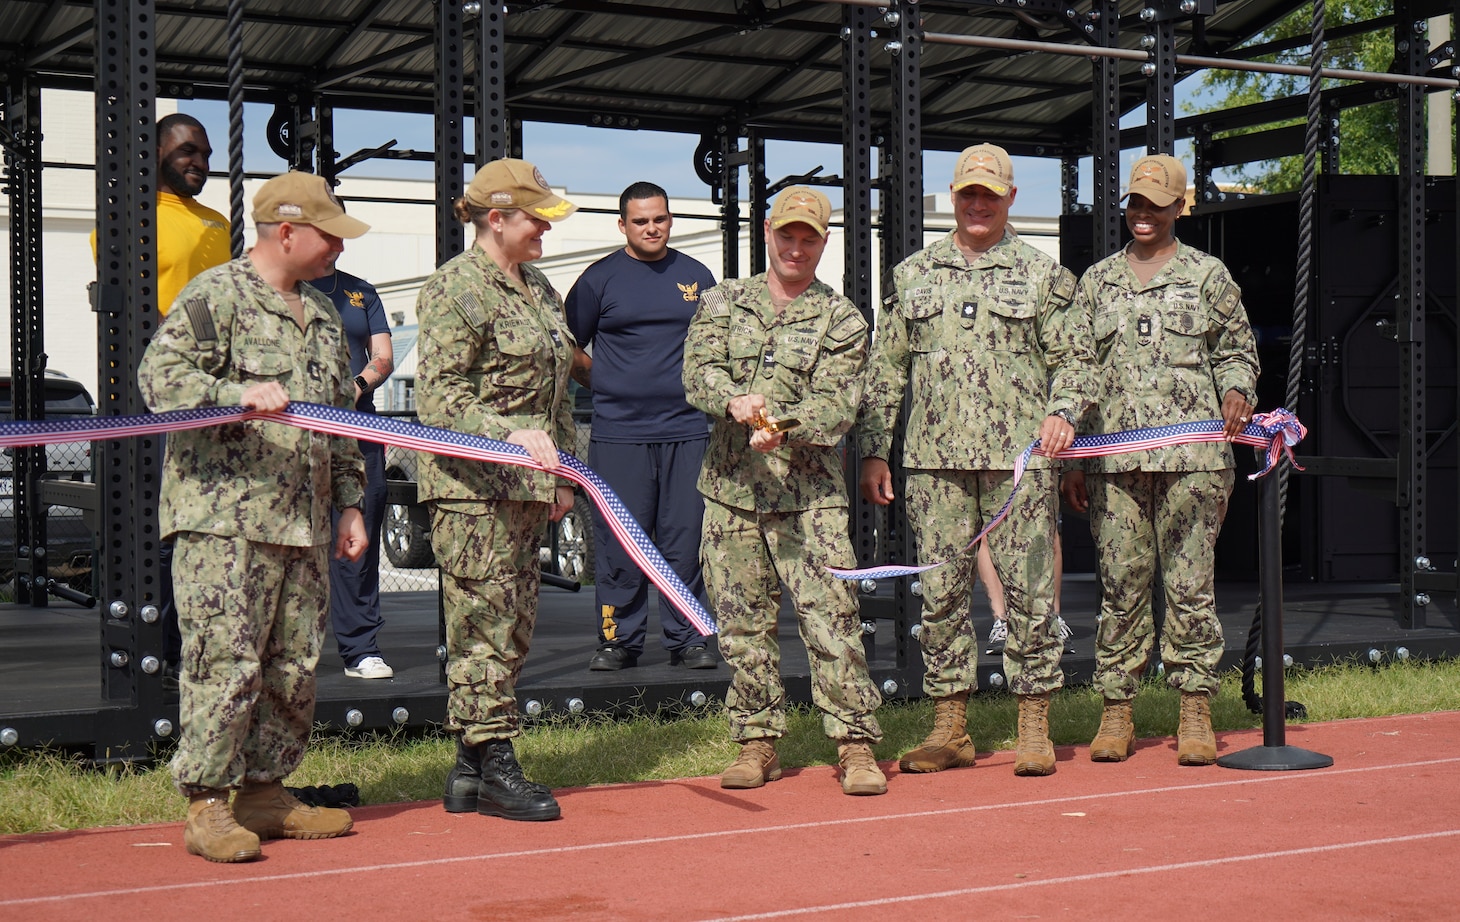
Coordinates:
x,y
761,421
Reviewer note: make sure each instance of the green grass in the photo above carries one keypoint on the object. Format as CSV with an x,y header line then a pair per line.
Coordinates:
x,y
42,791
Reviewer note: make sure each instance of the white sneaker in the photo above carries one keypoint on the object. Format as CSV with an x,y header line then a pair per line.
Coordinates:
x,y
371,667
998,634
1063,629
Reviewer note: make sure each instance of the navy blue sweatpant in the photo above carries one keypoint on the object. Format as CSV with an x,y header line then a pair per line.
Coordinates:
x,y
355,587
656,481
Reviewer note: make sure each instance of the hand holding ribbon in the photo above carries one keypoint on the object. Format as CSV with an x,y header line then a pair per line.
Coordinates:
x,y
1274,432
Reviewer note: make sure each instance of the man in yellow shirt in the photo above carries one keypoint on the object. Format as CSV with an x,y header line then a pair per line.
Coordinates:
x,y
190,237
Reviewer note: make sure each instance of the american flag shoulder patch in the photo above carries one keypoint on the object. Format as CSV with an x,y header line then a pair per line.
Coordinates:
x,y
201,320
713,301
471,306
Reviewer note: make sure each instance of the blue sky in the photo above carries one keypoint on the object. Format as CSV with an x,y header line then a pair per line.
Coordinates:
x,y
603,160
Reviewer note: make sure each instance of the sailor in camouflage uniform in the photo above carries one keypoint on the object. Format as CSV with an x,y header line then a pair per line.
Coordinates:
x,y
249,507
760,351
494,356
1172,344
980,334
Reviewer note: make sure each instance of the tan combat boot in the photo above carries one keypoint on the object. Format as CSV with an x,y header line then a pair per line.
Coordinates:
x,y
860,774
212,831
756,764
1034,755
1117,733
274,813
1195,742
948,746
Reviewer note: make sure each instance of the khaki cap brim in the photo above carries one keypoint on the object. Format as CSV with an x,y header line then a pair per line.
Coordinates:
x,y
781,222
1152,192
342,226
988,180
552,208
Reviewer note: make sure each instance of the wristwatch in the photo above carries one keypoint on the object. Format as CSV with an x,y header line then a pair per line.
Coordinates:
x,y
362,384
1247,395
1068,416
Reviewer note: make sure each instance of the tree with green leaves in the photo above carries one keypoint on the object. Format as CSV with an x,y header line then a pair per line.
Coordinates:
x,y
1367,134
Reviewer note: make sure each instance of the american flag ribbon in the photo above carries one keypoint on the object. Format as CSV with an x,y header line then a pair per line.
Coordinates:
x,y
387,431
1276,432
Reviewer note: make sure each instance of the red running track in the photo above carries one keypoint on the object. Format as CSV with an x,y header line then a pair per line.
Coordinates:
x,y
1377,836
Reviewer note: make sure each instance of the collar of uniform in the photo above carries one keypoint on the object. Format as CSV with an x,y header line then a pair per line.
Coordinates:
x,y
1180,268
946,251
803,307
499,276
314,306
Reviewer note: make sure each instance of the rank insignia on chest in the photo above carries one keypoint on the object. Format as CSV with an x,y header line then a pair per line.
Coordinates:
x,y
554,334
970,308
769,359
1143,326
315,371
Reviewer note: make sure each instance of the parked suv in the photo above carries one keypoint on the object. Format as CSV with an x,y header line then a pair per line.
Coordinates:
x,y
70,541
406,535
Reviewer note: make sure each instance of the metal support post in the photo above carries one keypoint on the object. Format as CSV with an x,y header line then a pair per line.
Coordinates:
x,y
317,138
1410,50
27,324
755,183
449,128
730,207
1105,132
863,516
1160,74
491,97
902,190
1069,184
902,235
127,560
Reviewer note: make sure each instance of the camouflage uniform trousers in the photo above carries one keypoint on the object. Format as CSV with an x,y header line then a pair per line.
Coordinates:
x,y
252,617
945,509
1138,518
490,580
746,556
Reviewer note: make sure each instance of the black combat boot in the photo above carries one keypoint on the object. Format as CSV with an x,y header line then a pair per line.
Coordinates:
x,y
503,791
464,779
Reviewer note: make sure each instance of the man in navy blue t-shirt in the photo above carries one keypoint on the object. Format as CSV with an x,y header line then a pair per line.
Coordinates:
x,y
633,307
355,585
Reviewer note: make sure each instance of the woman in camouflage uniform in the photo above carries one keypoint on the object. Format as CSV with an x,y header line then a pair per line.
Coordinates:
x,y
494,357
1172,344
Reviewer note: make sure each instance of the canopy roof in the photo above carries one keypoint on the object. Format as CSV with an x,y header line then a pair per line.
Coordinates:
x,y
681,65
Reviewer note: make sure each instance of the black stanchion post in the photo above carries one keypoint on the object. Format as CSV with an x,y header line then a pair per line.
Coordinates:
x,y
1274,754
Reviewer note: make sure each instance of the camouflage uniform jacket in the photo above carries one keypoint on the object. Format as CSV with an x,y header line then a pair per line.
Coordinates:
x,y
1166,352
807,363
493,358
988,348
261,481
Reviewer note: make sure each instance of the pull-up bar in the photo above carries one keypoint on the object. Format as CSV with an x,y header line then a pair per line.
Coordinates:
x,y
1189,60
